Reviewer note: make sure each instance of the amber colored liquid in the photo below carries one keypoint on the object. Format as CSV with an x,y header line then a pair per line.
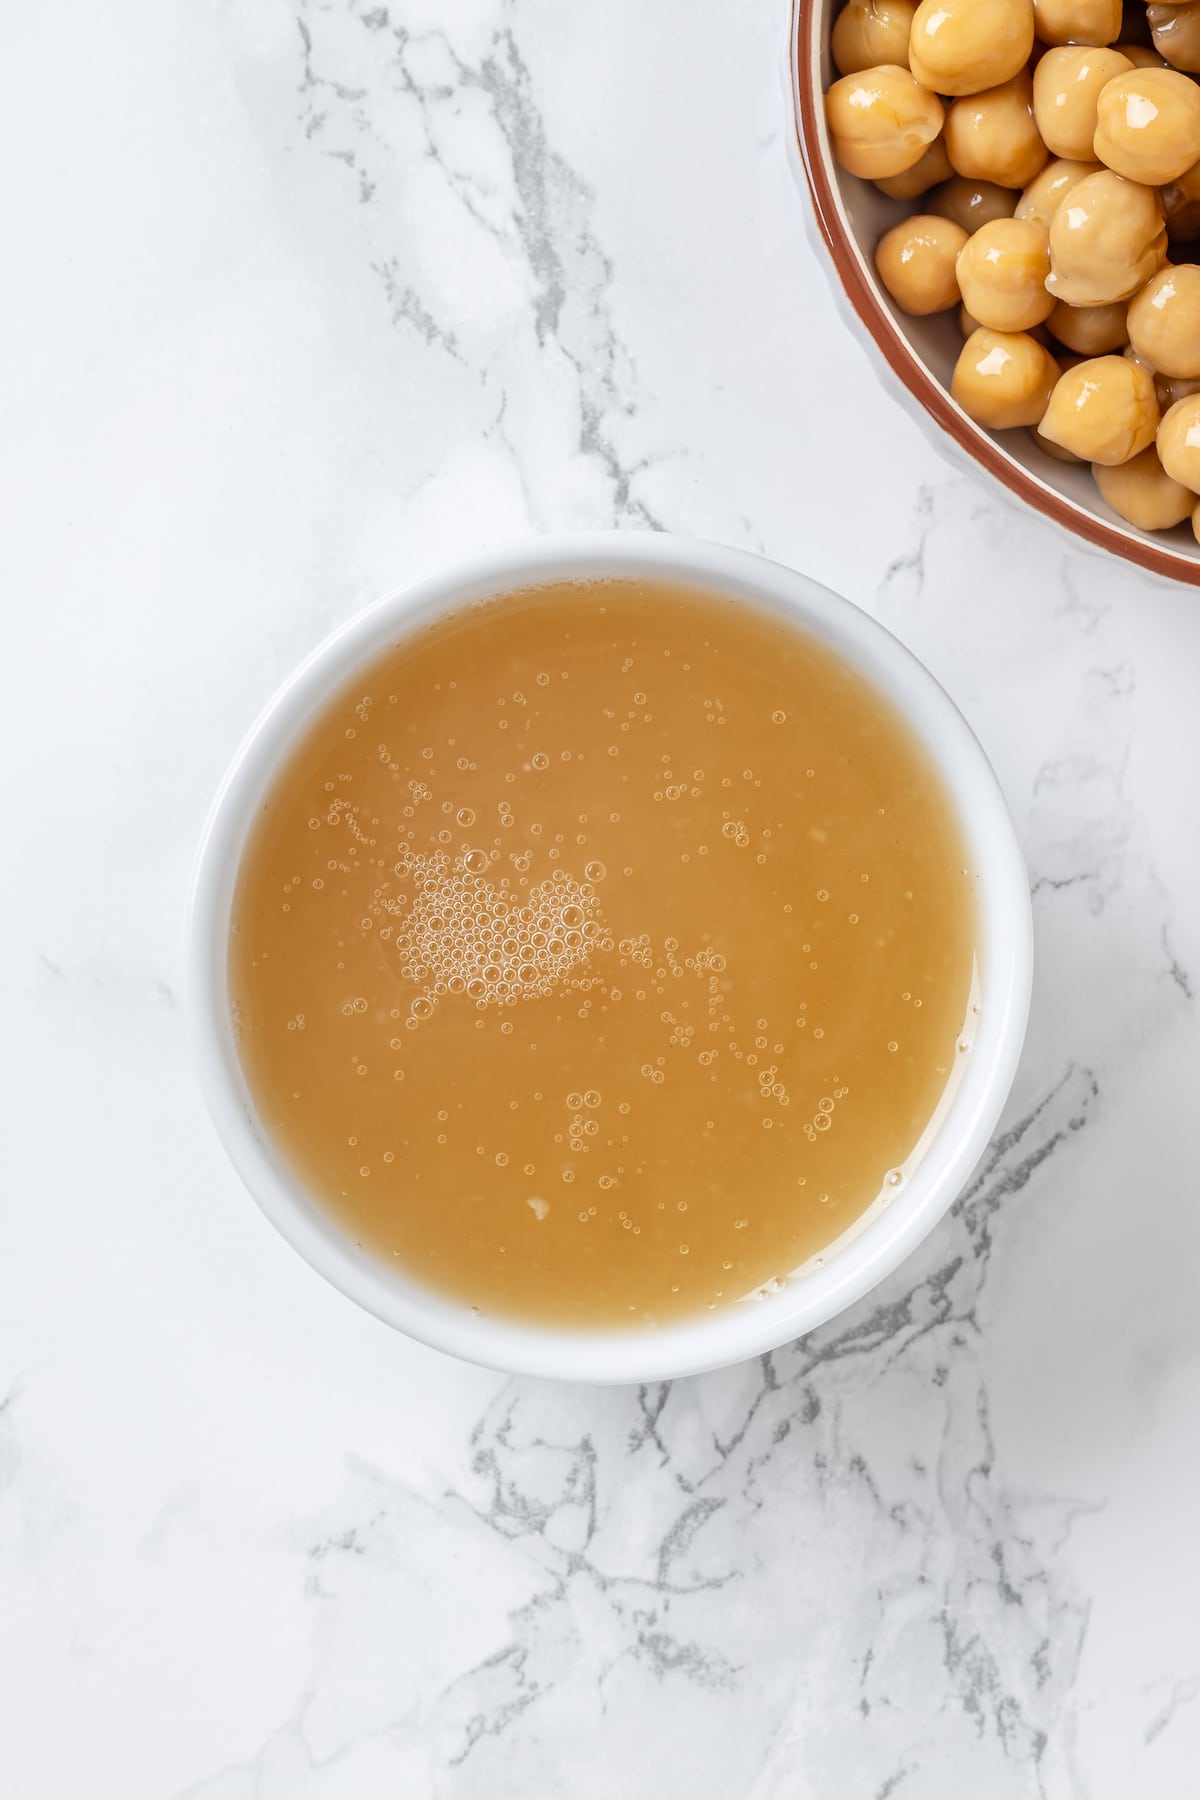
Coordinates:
x,y
603,953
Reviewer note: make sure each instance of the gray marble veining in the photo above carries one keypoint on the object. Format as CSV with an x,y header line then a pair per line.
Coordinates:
x,y
310,295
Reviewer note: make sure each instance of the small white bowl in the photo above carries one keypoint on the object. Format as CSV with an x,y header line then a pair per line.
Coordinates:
x,y
870,1249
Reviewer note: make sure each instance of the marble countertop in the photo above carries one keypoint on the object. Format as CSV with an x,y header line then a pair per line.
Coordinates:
x,y
303,297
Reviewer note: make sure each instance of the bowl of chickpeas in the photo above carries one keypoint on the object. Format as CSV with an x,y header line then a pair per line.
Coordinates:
x,y
1009,193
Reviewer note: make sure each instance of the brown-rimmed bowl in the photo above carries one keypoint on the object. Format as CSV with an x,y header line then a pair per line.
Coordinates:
x,y
915,357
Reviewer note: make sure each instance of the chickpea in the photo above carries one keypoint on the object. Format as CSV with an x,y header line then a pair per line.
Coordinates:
x,y
1181,205
1105,410
966,325
972,203
1141,56
933,167
1045,156
1089,330
1164,321
1106,241
1002,274
1077,21
1046,191
867,33
1054,450
881,121
1167,388
1003,378
964,46
993,137
1171,388
1066,89
1179,442
1142,492
1176,33
1148,125
916,263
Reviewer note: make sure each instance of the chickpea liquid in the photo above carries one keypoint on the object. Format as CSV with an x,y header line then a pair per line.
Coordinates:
x,y
603,954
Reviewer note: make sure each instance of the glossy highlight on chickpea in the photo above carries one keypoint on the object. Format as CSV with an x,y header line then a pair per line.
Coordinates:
x,y
1002,274
972,203
1067,85
1179,442
867,33
1176,33
917,263
1148,125
1105,241
1003,378
993,136
1105,410
1077,21
1164,322
881,121
965,46
1047,191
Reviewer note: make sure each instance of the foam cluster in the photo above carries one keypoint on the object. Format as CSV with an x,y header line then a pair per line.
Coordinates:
x,y
462,934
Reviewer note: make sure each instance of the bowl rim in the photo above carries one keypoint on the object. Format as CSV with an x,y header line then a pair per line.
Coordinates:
x,y
866,1254
808,124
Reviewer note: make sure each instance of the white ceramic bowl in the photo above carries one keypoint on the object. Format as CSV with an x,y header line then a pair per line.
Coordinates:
x,y
915,357
869,1250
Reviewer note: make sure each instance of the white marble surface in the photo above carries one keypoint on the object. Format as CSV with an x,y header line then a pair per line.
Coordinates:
x,y
301,297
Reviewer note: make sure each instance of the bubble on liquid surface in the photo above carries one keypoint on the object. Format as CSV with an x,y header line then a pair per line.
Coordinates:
x,y
464,933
